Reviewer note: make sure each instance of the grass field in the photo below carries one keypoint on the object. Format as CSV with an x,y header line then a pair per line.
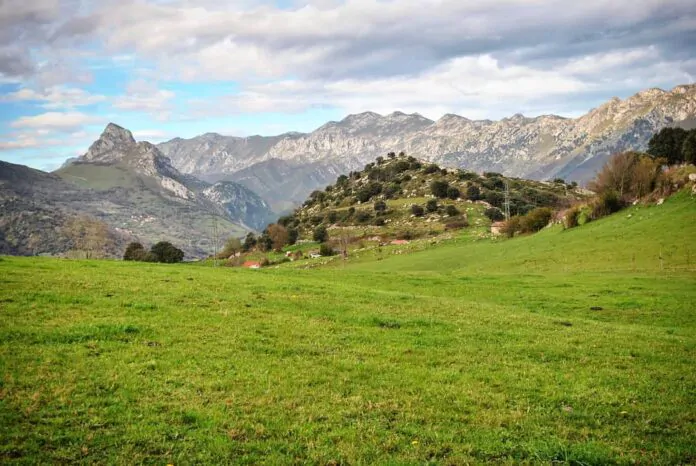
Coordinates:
x,y
567,346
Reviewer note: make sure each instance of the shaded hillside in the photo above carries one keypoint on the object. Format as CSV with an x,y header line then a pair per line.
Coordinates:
x,y
42,214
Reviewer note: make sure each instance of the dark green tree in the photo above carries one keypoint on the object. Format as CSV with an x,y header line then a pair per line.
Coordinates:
x,y
249,242
668,144
320,234
439,188
494,214
453,193
689,147
166,252
293,236
473,193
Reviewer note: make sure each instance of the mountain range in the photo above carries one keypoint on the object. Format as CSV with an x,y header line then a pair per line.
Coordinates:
x,y
184,189
543,147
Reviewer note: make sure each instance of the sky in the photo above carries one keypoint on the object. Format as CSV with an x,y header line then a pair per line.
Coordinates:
x,y
179,68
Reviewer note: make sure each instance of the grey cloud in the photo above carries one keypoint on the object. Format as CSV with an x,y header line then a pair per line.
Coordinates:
x,y
15,64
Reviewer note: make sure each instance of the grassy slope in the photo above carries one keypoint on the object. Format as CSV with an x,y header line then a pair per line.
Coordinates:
x,y
411,359
633,239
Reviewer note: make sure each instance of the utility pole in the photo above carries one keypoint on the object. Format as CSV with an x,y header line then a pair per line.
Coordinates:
x,y
506,203
215,240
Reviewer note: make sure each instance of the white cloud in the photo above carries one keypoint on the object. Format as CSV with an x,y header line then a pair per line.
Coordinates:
x,y
56,121
57,97
144,96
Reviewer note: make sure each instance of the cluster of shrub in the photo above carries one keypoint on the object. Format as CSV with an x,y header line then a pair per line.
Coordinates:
x,y
384,179
163,251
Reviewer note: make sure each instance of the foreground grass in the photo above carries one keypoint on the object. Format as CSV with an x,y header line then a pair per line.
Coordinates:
x,y
111,362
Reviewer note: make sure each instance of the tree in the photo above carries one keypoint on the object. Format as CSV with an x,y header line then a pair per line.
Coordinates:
x,y
451,211
278,235
668,144
249,242
89,236
265,242
473,193
689,147
134,252
320,234
439,188
494,214
293,236
232,246
628,174
380,206
166,252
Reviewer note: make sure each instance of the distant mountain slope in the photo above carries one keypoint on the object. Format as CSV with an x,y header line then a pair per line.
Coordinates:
x,y
39,213
543,147
285,184
134,189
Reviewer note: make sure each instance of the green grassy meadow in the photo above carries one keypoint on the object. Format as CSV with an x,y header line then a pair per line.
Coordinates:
x,y
572,347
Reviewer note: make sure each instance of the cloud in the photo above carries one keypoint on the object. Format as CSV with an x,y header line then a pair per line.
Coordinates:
x,y
57,97
144,96
360,38
476,87
56,121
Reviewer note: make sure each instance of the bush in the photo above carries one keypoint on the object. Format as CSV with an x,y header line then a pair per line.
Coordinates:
x,y
572,218
362,217
494,214
417,210
606,204
431,205
430,169
134,252
380,206
439,188
325,249
332,216
536,220
457,224
320,234
511,227
473,193
379,221
405,234
165,252
451,211
453,193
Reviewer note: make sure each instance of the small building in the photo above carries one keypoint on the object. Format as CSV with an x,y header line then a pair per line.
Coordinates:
x,y
497,228
252,265
399,242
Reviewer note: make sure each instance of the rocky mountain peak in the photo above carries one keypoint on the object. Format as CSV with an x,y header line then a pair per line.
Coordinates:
x,y
114,140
